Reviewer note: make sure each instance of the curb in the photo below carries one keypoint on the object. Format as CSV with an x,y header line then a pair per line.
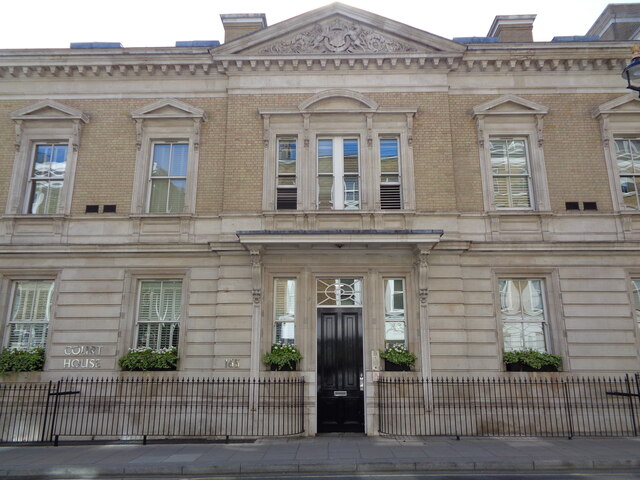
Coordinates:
x,y
348,467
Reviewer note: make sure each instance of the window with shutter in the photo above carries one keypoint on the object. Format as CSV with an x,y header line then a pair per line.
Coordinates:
x,y
390,185
30,314
159,312
287,191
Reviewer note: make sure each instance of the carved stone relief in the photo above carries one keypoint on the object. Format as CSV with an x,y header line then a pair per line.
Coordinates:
x,y
338,36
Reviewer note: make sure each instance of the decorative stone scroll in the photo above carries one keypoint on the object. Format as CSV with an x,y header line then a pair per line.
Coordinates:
x,y
339,36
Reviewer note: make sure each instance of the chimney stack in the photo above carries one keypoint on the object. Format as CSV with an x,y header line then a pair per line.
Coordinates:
x,y
238,24
512,28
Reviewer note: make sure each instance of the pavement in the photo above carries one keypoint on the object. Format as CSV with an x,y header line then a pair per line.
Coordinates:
x,y
346,453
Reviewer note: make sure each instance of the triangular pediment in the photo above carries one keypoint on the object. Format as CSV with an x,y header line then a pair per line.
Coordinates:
x,y
169,108
510,105
49,110
338,29
627,104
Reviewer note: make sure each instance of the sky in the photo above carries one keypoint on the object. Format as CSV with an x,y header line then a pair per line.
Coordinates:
x,y
160,23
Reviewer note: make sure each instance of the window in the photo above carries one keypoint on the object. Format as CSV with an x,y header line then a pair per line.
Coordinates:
x,y
628,163
168,145
30,314
390,186
338,151
394,312
511,139
636,298
339,292
47,177
47,140
287,191
510,169
159,312
523,316
338,174
168,177
284,310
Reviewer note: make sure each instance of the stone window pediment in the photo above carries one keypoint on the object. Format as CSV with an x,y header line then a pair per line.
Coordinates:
x,y
167,140
47,138
510,139
619,127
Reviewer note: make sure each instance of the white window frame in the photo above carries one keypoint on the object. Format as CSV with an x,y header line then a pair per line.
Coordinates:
x,y
152,178
348,115
10,285
277,320
527,176
295,187
545,308
396,318
399,172
180,322
160,122
62,125
510,116
339,190
622,204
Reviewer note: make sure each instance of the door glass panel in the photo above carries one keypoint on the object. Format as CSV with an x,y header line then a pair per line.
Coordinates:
x,y
339,292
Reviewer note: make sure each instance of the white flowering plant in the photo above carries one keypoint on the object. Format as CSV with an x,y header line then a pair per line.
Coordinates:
x,y
283,356
144,359
16,360
398,354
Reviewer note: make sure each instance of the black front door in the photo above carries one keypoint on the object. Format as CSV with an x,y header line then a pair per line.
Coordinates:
x,y
340,395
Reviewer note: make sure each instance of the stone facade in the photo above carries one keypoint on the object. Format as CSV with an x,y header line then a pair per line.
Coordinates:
x,y
336,73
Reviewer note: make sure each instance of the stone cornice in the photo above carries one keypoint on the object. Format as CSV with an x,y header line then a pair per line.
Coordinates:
x,y
139,62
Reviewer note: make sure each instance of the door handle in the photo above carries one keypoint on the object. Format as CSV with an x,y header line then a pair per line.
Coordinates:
x,y
361,382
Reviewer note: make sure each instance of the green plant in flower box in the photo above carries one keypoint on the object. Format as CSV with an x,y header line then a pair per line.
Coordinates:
x,y
146,359
531,360
398,354
283,356
14,360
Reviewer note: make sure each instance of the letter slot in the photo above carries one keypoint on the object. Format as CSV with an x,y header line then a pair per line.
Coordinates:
x,y
340,393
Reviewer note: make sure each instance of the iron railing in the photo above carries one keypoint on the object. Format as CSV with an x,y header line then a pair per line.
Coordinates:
x,y
129,409
568,407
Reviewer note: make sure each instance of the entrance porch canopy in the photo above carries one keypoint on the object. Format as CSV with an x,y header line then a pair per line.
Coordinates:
x,y
423,238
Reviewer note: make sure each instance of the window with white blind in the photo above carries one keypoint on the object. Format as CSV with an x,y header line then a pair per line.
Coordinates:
x,y
523,314
30,314
511,173
284,327
395,328
168,177
287,190
338,174
159,313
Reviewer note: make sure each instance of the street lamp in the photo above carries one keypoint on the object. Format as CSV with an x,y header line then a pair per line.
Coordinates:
x,y
632,71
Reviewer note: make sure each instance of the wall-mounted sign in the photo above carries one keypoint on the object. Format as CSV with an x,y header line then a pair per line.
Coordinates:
x,y
231,363
80,356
